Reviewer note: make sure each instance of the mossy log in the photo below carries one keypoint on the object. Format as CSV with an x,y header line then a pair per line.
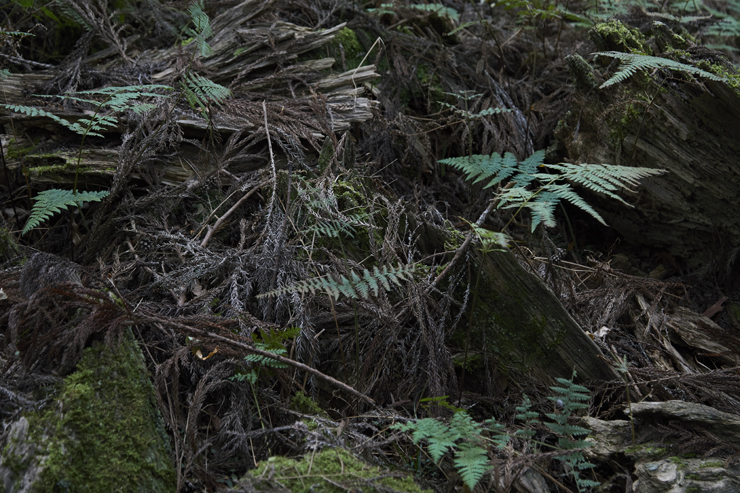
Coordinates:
x,y
104,413
519,323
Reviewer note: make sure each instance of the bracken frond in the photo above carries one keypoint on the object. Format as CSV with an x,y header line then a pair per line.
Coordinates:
x,y
541,201
355,287
54,200
632,62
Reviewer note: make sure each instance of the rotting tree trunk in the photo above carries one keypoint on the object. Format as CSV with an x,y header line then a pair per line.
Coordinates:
x,y
689,128
518,323
528,328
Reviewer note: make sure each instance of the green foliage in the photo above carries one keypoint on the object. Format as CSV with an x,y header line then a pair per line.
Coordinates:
x,y
355,287
200,91
116,99
434,8
549,189
467,439
49,202
633,62
463,435
571,398
202,29
272,342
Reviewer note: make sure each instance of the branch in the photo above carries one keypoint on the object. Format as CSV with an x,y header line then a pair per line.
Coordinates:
x,y
149,317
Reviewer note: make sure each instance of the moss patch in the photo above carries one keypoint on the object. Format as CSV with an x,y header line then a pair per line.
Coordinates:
x,y
615,36
330,471
304,404
103,433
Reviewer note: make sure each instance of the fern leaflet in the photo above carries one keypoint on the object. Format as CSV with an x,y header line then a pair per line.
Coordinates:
x,y
471,462
633,62
355,287
54,200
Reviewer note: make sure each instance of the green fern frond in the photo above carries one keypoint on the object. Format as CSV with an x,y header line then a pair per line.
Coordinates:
x,y
264,360
541,202
480,167
118,99
202,29
436,8
471,462
554,192
33,111
201,91
49,202
355,287
331,228
632,62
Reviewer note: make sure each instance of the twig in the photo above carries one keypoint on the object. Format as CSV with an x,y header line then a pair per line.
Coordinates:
x,y
149,317
223,218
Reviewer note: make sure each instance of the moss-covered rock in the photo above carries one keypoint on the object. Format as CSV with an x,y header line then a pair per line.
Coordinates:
x,y
103,432
328,471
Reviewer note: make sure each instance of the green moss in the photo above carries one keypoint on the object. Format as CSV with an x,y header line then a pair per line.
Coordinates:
x,y
646,450
712,463
615,36
16,152
104,432
327,469
732,77
678,461
304,404
499,327
352,47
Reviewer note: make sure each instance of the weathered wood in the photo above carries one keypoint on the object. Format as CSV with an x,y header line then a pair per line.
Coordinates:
x,y
687,127
519,322
528,328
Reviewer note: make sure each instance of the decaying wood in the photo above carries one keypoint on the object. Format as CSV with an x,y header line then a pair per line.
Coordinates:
x,y
250,58
699,332
689,128
519,320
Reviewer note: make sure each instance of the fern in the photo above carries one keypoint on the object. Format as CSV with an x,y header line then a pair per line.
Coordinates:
x,y
54,200
354,287
438,9
202,29
570,398
331,228
633,62
463,435
548,192
117,99
471,454
200,91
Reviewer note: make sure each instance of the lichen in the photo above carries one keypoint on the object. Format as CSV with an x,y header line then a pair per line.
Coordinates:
x,y
104,433
330,471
